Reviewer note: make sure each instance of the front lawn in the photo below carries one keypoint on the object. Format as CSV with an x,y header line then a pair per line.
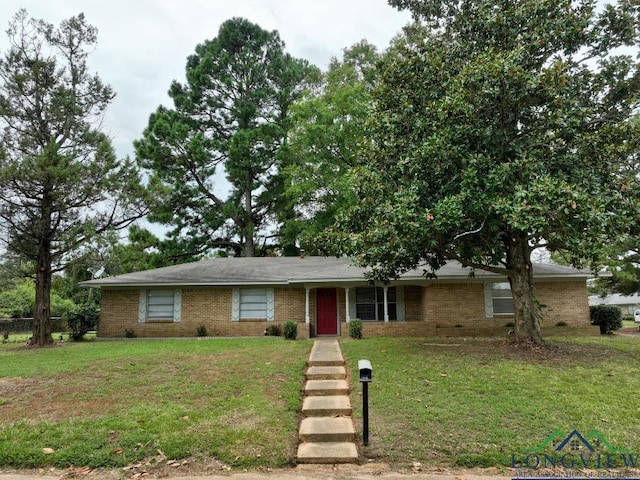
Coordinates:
x,y
447,402
114,403
475,402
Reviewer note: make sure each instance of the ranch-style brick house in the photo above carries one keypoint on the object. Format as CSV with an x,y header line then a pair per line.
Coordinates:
x,y
242,296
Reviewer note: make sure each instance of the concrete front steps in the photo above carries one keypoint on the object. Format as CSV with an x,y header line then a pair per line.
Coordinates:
x,y
326,433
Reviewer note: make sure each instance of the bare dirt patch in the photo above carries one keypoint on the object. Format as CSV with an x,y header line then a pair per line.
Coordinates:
x,y
521,351
630,331
49,399
193,469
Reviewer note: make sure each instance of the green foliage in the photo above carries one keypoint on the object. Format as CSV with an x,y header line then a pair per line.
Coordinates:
x,y
290,330
60,307
508,127
328,127
201,331
607,317
141,251
273,331
18,301
130,334
60,181
623,263
355,329
81,319
231,117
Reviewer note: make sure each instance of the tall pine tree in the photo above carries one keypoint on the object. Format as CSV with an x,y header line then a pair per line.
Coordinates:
x,y
228,120
60,182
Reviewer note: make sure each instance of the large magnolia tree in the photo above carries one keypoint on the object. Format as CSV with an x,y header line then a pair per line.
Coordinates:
x,y
499,127
61,184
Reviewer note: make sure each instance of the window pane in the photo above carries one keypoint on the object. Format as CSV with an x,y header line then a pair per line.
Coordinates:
x,y
365,295
253,303
391,308
366,311
393,315
502,298
391,295
160,304
370,303
502,305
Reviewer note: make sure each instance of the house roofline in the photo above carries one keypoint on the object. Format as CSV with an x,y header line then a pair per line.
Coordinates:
x,y
337,282
290,271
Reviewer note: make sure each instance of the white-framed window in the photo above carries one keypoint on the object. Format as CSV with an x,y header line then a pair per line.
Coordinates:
x,y
498,299
160,305
252,304
370,303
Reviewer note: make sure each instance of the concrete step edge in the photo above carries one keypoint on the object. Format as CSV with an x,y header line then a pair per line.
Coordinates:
x,y
326,387
326,363
326,373
327,406
327,452
327,429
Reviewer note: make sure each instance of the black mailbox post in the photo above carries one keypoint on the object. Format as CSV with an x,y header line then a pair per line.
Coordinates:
x,y
365,370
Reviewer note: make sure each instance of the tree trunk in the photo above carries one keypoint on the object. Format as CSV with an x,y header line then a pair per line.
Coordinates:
x,y
249,243
526,312
42,313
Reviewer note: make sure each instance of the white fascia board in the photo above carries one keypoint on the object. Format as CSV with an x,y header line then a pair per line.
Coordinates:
x,y
183,284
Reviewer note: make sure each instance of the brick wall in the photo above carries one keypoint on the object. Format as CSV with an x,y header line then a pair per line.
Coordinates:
x,y
455,304
462,305
118,313
392,329
413,301
565,302
208,307
439,309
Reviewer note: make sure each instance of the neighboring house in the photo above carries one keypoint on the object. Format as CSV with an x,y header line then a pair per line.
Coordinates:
x,y
627,303
242,296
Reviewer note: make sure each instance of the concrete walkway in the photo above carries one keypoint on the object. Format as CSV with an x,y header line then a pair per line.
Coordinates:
x,y
326,432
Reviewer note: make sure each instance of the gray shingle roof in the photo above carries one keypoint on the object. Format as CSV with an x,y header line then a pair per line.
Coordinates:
x,y
615,299
294,270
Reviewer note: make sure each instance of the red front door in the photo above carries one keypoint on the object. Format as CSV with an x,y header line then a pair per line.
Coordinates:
x,y
327,319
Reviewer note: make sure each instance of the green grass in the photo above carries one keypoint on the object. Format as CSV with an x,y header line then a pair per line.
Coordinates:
x,y
107,404
473,403
448,402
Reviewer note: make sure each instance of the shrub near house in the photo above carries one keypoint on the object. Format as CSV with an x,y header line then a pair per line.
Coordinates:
x,y
607,317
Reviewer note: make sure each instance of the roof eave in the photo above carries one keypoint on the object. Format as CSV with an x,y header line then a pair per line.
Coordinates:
x,y
90,284
302,281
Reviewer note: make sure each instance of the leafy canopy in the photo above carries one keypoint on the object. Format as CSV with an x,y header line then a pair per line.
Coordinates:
x,y
499,128
494,121
328,126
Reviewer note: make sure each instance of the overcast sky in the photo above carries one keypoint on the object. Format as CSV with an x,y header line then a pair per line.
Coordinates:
x,y
143,44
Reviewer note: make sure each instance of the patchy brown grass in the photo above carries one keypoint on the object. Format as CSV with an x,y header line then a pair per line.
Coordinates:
x,y
235,400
